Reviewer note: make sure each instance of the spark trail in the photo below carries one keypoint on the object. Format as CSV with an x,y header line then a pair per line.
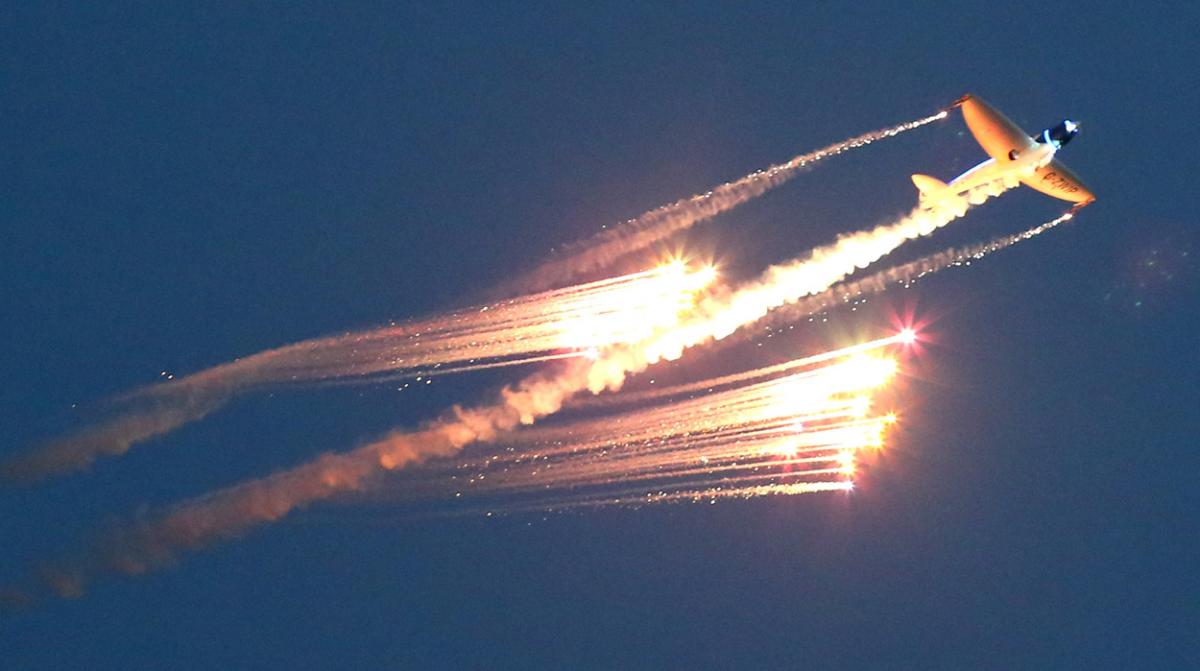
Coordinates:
x,y
780,429
233,511
904,274
533,328
658,224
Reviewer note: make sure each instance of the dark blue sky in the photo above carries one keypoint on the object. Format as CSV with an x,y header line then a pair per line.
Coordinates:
x,y
185,186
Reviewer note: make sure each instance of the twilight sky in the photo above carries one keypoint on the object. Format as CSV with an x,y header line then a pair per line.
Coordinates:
x,y
187,185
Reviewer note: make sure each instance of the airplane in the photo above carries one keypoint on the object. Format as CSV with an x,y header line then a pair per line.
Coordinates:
x,y
1014,156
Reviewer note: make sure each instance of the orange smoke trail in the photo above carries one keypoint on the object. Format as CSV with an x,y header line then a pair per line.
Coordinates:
x,y
636,234
230,512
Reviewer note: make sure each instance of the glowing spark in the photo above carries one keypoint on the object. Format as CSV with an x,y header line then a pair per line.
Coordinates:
x,y
861,406
846,458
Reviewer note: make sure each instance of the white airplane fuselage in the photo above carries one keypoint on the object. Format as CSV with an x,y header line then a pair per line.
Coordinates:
x,y
1014,157
992,171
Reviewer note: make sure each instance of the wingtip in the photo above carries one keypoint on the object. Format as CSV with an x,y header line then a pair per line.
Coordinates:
x,y
1080,205
960,100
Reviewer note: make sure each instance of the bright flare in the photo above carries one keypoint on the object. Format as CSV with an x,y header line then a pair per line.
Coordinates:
x,y
766,432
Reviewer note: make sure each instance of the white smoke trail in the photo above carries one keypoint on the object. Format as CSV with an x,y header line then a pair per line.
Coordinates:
x,y
720,314
604,249
904,274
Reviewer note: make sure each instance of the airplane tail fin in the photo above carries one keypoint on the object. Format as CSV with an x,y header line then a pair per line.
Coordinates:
x,y
930,187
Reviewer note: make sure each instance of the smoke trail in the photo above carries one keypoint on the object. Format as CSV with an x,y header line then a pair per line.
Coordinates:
x,y
720,314
904,274
625,309
111,438
231,512
228,513
603,249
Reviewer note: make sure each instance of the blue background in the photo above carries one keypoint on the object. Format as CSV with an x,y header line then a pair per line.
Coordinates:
x,y
185,185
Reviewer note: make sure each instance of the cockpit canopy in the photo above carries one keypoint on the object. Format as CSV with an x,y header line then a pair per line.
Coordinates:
x,y
1060,134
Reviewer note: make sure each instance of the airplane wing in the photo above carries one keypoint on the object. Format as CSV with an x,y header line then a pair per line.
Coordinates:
x,y
1054,179
993,131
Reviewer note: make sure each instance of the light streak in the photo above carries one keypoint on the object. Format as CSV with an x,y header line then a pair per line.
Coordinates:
x,y
710,385
536,328
904,275
658,224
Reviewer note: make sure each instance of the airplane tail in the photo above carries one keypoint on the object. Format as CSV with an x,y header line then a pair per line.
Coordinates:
x,y
930,187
